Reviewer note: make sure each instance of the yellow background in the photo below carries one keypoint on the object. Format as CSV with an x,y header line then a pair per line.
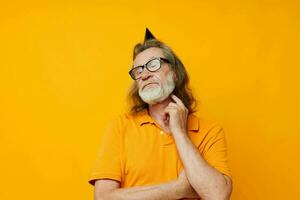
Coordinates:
x,y
63,75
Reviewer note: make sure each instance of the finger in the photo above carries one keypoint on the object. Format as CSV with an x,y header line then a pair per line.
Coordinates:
x,y
169,110
172,104
179,103
169,113
177,100
173,107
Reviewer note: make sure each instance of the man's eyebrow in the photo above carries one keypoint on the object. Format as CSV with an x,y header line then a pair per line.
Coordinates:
x,y
145,62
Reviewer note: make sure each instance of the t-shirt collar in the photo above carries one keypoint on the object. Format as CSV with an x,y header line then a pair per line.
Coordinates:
x,y
143,117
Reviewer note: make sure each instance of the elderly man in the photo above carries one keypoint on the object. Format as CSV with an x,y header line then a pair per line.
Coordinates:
x,y
160,150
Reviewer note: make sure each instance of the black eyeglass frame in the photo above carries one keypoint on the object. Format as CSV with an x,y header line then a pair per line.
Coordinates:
x,y
145,66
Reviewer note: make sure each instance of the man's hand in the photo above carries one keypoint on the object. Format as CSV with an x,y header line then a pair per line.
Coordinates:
x,y
186,190
176,115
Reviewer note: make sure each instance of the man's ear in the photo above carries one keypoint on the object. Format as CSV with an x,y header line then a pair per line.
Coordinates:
x,y
175,77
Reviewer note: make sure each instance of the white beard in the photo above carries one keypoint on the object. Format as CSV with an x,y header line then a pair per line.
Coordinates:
x,y
158,93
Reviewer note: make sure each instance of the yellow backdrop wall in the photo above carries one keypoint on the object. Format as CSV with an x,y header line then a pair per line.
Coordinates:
x,y
63,75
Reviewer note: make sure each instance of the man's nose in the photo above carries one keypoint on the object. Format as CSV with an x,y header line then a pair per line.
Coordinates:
x,y
145,75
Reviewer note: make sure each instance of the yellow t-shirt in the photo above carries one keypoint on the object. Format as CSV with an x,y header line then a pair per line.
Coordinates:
x,y
136,152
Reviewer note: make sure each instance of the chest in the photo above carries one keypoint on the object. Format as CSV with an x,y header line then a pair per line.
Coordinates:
x,y
150,157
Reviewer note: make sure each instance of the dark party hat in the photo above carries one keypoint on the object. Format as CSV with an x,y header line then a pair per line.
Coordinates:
x,y
148,35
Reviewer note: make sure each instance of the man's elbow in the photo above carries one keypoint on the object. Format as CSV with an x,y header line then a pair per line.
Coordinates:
x,y
99,196
223,194
226,189
102,196
104,188
222,191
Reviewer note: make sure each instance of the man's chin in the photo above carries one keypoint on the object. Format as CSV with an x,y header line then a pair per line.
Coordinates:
x,y
154,100
150,101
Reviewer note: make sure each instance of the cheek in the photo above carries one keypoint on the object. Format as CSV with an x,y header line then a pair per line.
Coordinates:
x,y
137,85
166,72
167,76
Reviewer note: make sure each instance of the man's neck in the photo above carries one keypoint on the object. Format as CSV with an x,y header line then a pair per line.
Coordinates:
x,y
156,111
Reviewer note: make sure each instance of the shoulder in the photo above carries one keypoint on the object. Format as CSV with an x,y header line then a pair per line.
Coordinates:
x,y
122,119
207,125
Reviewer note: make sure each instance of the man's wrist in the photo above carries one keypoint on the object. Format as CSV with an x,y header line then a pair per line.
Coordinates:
x,y
179,132
177,190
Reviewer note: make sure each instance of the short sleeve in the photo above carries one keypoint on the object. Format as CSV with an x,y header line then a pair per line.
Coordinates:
x,y
108,160
215,149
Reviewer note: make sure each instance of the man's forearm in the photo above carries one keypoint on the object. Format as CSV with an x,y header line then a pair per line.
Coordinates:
x,y
165,191
206,180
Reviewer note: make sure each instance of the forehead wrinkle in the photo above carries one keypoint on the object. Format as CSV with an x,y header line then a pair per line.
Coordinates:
x,y
147,60
154,50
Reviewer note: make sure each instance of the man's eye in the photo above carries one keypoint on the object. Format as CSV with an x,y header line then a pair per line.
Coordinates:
x,y
153,64
139,70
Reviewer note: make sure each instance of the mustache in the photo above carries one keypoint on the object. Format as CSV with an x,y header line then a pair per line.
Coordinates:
x,y
147,83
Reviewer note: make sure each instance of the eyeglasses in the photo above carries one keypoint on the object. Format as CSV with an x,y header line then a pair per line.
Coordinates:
x,y
152,66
